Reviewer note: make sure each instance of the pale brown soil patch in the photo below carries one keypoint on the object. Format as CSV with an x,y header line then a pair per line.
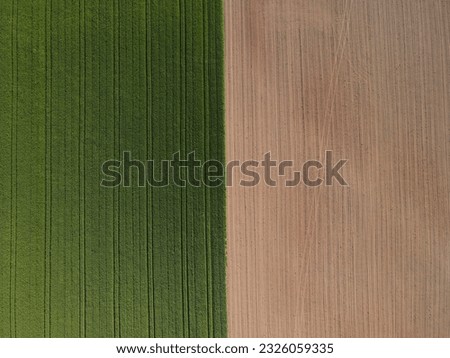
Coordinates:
x,y
369,80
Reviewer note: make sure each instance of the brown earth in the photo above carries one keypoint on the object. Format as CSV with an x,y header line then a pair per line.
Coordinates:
x,y
369,80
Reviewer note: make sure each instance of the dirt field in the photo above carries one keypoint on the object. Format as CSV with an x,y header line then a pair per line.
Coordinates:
x,y
370,81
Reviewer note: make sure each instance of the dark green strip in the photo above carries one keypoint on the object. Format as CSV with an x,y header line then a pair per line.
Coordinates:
x,y
84,82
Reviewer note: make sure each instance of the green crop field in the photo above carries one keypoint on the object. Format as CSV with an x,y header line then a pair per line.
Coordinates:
x,y
82,81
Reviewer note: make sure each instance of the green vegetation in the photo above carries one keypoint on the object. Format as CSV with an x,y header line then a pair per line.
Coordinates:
x,y
83,81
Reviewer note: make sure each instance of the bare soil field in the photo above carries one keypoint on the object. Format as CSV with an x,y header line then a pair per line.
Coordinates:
x,y
368,80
